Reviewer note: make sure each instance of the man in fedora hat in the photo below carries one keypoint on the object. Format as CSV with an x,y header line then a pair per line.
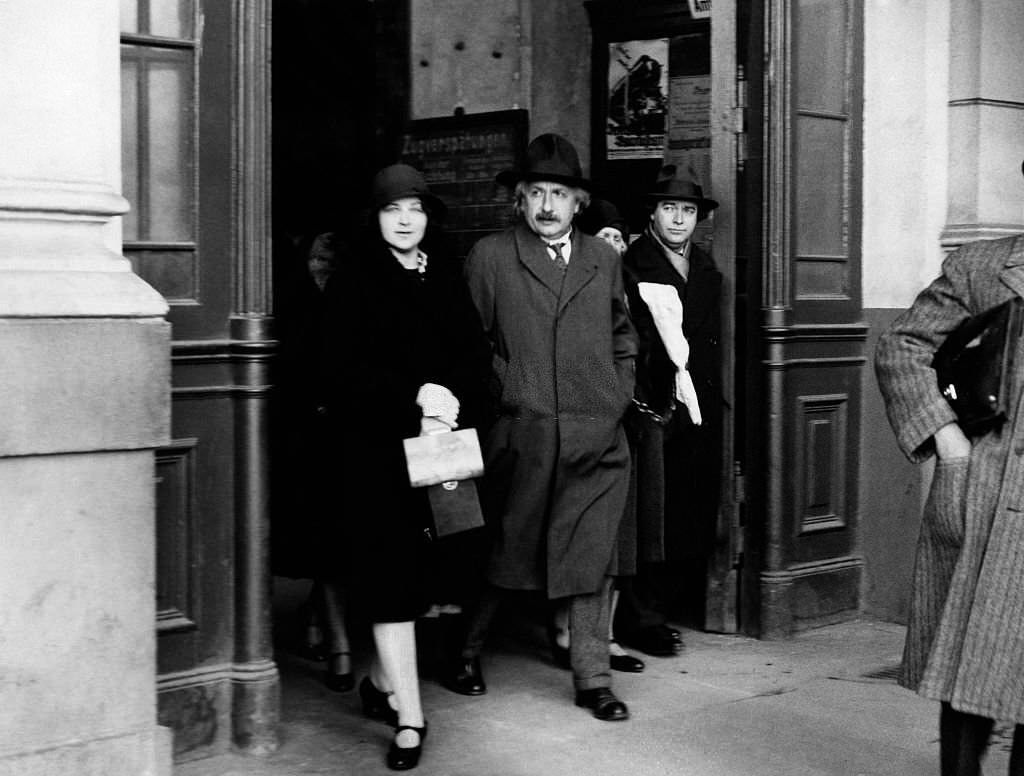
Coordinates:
x,y
674,292
556,459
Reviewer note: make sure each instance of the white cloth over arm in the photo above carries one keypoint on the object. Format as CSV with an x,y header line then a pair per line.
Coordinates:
x,y
667,311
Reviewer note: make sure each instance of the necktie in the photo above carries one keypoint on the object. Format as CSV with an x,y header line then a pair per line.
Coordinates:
x,y
559,258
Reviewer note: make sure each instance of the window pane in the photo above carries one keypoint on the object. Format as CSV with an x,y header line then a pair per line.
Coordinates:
x,y
168,183
130,16
130,144
170,18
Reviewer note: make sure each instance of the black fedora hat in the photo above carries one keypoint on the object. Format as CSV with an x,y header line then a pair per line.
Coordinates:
x,y
398,181
549,157
671,185
599,214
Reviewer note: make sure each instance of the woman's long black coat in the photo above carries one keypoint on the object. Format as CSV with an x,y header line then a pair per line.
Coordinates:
x,y
395,329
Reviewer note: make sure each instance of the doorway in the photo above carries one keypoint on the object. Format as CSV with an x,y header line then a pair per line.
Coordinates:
x,y
658,84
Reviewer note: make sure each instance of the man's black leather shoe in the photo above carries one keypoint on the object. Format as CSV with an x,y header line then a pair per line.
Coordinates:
x,y
657,640
603,704
626,663
465,677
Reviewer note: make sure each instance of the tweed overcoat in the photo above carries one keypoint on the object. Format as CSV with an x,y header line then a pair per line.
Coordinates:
x,y
965,636
556,458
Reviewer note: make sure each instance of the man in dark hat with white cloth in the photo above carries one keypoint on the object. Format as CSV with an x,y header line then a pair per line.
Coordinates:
x,y
674,291
556,459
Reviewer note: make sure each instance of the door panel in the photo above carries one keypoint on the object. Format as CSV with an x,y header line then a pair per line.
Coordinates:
x,y
810,328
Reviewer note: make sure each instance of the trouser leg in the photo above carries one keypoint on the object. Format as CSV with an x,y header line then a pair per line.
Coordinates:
x,y
588,648
480,617
962,741
1017,752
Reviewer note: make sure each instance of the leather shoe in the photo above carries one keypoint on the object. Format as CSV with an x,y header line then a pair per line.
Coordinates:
x,y
603,704
402,758
375,703
657,640
338,681
626,663
465,678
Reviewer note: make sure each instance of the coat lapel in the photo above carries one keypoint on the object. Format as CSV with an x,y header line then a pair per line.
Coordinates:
x,y
535,257
580,271
1013,270
697,300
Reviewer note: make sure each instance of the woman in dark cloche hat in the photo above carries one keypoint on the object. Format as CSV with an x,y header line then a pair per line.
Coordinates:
x,y
409,357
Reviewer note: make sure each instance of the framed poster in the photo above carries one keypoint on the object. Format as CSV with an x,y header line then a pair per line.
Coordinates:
x,y
637,98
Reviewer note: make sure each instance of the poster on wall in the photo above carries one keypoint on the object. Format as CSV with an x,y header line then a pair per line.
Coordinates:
x,y
689,126
637,98
460,156
700,9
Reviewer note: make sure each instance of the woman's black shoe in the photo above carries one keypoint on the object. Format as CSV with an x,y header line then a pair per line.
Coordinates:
x,y
336,680
375,703
402,758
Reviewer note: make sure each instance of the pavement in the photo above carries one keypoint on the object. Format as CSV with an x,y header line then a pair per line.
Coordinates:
x,y
824,703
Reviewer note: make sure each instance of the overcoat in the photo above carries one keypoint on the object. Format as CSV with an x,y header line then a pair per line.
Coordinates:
x,y
393,330
965,637
556,459
694,472
305,513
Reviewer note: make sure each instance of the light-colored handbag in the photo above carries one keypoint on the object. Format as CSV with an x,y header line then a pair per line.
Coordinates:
x,y
446,464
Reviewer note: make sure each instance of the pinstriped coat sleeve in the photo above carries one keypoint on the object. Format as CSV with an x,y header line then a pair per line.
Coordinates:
x,y
913,403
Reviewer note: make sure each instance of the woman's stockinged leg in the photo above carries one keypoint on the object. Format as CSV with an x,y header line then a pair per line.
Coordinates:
x,y
396,651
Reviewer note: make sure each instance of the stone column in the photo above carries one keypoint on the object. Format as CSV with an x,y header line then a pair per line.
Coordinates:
x,y
84,400
986,122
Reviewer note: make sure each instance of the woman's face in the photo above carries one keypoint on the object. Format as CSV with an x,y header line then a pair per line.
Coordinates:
x,y
402,224
613,237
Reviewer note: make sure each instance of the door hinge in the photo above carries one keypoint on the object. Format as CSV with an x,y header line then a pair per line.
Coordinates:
x,y
739,483
740,118
739,497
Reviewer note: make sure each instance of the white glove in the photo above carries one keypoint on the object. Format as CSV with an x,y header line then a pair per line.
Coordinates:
x,y
433,426
436,401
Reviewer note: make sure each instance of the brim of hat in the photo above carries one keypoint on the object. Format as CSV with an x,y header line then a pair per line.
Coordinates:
x,y
511,177
703,204
435,206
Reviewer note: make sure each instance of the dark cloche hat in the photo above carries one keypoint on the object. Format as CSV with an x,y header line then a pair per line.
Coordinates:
x,y
599,214
549,157
399,181
671,185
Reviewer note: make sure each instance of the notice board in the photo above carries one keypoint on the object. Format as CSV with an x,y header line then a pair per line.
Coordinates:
x,y
460,156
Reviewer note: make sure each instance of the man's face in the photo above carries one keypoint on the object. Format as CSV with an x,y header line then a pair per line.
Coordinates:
x,y
674,221
549,208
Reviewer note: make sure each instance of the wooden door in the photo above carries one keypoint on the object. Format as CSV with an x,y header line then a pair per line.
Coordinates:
x,y
804,337
195,163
